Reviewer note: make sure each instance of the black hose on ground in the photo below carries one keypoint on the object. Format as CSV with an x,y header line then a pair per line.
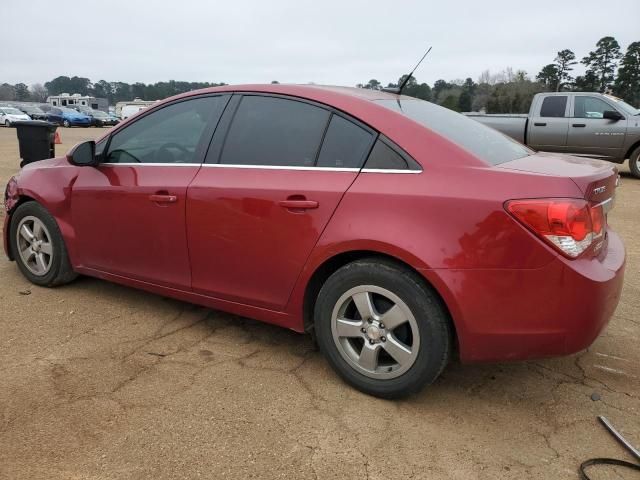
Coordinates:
x,y
611,461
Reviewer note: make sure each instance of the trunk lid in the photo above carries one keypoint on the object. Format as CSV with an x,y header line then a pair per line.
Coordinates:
x,y
596,179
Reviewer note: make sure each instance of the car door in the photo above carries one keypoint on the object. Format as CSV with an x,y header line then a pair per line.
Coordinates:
x,y
265,193
129,212
592,134
547,129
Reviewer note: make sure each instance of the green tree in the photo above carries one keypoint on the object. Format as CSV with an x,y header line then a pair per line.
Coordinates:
x,y
373,84
565,59
7,92
627,84
586,83
465,101
549,77
602,61
21,92
438,87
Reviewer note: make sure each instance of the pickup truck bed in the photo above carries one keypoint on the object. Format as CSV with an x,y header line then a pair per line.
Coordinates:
x,y
579,123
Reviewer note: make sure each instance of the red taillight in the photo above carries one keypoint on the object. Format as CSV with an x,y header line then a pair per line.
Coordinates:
x,y
570,225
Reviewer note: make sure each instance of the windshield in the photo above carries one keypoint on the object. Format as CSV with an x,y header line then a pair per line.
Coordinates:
x,y
11,111
33,110
484,142
623,105
69,110
99,114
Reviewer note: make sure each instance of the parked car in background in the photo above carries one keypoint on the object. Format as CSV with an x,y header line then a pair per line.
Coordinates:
x,y
73,118
35,112
8,115
584,124
53,114
397,230
101,119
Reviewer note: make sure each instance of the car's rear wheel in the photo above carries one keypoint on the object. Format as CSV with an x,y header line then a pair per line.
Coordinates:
x,y
38,246
634,163
7,123
65,123
381,328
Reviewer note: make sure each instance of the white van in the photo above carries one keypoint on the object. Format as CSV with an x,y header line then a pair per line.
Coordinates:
x,y
128,110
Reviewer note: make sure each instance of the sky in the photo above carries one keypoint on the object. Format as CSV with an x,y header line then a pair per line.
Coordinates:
x,y
337,42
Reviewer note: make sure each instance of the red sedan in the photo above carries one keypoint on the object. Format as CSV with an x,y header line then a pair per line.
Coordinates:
x,y
397,231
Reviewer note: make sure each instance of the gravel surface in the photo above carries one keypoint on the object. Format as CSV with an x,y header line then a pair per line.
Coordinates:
x,y
99,381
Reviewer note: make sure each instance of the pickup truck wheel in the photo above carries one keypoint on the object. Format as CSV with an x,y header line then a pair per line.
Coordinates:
x,y
634,163
381,328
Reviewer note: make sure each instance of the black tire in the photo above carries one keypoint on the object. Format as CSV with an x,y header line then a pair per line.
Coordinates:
x,y
634,162
433,324
66,124
60,271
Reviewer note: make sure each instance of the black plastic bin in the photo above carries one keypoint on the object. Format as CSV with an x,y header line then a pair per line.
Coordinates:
x,y
36,139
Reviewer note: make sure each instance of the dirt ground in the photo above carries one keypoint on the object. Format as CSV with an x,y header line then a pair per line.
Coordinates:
x,y
99,381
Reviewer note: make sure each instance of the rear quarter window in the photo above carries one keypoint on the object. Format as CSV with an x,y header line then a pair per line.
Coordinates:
x,y
481,141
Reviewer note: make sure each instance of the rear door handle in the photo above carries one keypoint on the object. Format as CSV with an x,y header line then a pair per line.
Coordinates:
x,y
162,198
579,125
298,204
540,124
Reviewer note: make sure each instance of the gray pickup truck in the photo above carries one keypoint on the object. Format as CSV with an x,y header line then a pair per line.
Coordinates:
x,y
587,124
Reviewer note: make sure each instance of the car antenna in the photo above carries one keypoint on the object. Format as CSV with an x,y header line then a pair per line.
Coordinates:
x,y
400,87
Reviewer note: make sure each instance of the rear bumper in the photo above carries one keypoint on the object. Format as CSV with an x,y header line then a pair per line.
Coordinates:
x,y
523,314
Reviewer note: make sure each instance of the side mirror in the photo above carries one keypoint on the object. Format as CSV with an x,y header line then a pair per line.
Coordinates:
x,y
612,115
83,154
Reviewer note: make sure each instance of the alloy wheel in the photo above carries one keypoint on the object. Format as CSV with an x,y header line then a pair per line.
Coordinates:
x,y
375,332
34,245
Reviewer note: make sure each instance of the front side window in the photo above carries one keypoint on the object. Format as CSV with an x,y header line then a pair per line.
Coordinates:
x,y
590,107
169,135
274,131
554,106
345,144
481,141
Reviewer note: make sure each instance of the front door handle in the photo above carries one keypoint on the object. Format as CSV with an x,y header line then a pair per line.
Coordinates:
x,y
540,124
298,204
579,125
163,198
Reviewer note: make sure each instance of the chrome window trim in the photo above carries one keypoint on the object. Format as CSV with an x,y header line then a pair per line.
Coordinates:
x,y
279,167
149,164
389,170
261,167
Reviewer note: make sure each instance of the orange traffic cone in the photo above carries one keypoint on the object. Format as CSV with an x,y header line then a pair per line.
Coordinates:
x,y
56,139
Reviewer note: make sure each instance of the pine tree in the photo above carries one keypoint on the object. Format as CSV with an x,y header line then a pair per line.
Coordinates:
x,y
548,76
564,61
627,84
602,62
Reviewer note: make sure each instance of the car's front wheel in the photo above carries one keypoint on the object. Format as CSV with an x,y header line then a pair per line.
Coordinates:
x,y
634,163
38,246
7,123
382,329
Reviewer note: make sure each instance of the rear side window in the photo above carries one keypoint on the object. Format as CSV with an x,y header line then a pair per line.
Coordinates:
x,y
274,131
554,106
383,157
345,144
